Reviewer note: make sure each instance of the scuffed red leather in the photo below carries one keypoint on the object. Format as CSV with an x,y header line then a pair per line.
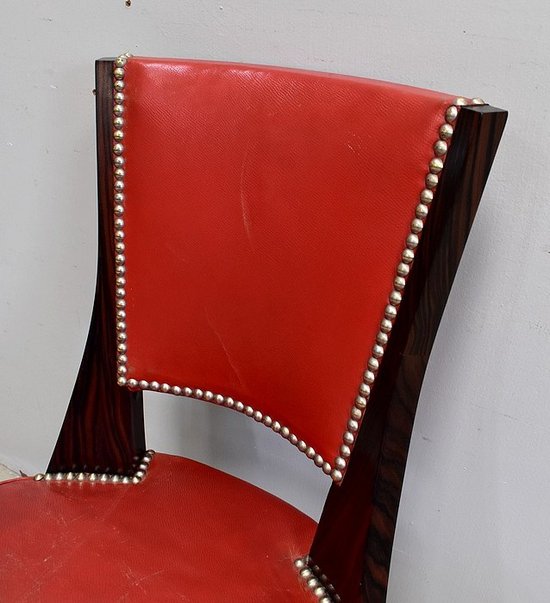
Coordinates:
x,y
266,213
187,533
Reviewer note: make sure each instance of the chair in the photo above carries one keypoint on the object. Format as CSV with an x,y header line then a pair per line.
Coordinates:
x,y
277,242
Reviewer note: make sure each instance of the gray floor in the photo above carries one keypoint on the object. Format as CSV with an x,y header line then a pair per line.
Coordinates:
x,y
6,473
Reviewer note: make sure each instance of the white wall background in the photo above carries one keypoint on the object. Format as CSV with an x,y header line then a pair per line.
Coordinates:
x,y
474,523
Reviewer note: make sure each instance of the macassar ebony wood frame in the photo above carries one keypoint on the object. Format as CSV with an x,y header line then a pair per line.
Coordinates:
x,y
103,430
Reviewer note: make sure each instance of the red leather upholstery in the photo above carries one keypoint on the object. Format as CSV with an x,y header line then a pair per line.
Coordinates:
x,y
186,533
266,211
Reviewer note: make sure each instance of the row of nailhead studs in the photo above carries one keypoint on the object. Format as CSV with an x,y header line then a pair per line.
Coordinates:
x,y
104,478
229,402
316,581
426,197
118,222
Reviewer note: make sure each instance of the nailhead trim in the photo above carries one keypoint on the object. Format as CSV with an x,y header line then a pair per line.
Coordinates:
x,y
412,240
338,467
237,405
104,478
316,581
118,210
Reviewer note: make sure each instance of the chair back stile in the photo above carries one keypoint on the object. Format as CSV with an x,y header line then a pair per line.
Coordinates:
x,y
103,430
354,540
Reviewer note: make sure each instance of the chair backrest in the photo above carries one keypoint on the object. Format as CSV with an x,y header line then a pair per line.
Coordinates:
x,y
278,242
268,220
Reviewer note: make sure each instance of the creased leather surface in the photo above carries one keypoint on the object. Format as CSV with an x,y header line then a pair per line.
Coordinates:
x,y
187,533
266,213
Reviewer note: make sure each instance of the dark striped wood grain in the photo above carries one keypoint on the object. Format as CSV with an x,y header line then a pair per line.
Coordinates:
x,y
103,429
354,540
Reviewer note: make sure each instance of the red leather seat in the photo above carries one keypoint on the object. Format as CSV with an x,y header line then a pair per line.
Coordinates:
x,y
187,533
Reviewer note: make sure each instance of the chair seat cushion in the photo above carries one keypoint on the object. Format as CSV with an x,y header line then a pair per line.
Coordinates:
x,y
186,533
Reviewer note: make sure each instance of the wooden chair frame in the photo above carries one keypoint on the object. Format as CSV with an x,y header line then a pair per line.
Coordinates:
x,y
103,430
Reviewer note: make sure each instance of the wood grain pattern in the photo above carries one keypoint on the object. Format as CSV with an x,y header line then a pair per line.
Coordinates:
x,y
355,536
103,429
